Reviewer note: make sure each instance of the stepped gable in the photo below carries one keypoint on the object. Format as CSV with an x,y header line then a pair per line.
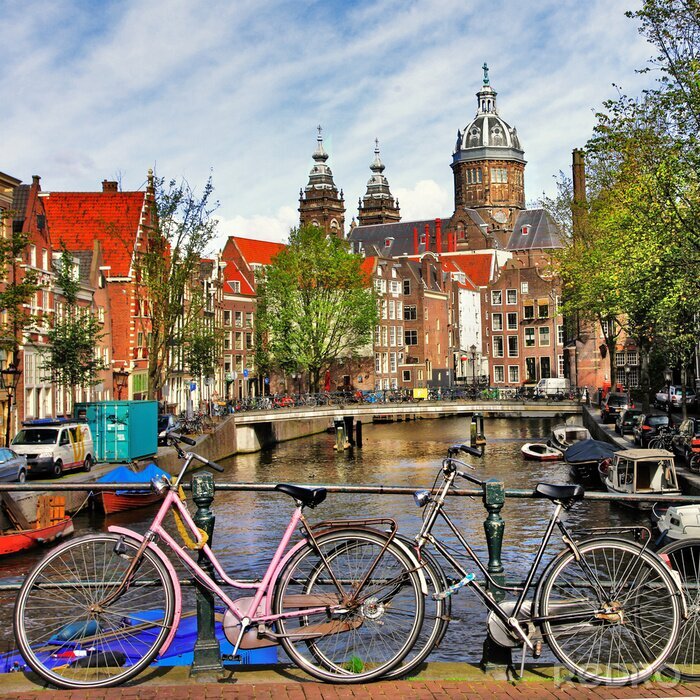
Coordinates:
x,y
535,228
78,218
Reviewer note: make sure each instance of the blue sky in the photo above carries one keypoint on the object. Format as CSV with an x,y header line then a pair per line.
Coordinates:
x,y
94,90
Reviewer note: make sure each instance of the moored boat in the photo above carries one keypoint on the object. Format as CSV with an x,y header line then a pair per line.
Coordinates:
x,y
680,522
584,457
12,541
642,472
541,451
568,434
121,500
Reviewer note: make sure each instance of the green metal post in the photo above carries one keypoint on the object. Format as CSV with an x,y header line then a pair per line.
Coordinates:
x,y
207,652
494,525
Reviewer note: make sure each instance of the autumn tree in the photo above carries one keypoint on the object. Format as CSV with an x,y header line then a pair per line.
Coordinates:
x,y
315,304
168,273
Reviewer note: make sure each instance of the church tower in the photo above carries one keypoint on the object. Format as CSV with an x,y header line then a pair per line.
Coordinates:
x,y
378,206
320,203
488,167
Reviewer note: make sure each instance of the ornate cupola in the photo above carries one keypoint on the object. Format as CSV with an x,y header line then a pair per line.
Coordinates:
x,y
378,206
320,203
488,164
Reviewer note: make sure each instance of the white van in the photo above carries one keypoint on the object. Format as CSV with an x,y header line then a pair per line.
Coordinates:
x,y
54,446
552,386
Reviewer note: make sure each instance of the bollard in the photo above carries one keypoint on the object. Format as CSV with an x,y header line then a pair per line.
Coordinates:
x,y
358,433
207,652
339,437
348,421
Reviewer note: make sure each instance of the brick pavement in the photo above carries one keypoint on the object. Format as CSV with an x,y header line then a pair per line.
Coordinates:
x,y
387,690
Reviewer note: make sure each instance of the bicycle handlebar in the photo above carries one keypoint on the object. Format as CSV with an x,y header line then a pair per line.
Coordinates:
x,y
456,449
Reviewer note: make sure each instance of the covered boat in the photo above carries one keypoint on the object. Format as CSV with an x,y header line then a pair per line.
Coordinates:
x,y
541,452
117,501
583,459
642,472
568,434
680,522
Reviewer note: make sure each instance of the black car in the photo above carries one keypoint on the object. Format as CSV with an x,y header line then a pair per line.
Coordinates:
x,y
648,427
625,421
686,442
613,405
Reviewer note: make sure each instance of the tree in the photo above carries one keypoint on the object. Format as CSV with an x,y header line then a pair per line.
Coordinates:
x,y
168,272
202,350
314,304
69,358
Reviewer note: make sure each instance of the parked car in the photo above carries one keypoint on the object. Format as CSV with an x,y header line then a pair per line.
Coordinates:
x,y
648,427
676,391
13,467
54,446
687,442
166,423
626,420
613,405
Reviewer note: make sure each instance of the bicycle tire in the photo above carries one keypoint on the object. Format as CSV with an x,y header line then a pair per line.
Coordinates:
x,y
627,606
352,641
656,444
683,556
694,464
436,617
63,634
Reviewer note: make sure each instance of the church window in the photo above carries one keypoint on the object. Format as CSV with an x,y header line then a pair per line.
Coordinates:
x,y
497,136
334,224
499,175
474,135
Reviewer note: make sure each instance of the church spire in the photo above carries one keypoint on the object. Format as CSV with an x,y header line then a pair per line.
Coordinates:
x,y
321,204
378,206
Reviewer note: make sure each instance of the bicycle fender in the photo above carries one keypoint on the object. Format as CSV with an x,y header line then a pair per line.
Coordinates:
x,y
173,575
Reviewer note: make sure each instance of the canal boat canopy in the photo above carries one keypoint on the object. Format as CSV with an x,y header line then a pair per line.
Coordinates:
x,y
641,472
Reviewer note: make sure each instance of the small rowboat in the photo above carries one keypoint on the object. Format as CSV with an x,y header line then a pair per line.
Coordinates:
x,y
541,452
118,501
12,541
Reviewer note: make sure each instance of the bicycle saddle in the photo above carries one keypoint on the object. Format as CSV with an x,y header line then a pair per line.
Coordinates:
x,y
560,492
309,497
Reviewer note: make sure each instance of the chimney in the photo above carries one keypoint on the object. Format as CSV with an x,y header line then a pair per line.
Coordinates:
x,y
415,240
578,206
35,180
427,238
109,186
438,235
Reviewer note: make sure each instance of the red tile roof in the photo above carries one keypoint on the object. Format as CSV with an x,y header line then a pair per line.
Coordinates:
x,y
478,267
255,251
367,266
78,218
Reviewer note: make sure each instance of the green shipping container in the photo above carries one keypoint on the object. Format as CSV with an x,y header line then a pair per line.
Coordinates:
x,y
121,430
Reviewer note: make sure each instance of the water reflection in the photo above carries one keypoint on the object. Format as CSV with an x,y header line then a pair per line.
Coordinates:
x,y
249,524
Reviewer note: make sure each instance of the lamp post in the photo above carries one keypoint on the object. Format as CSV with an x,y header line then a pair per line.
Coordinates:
x,y
9,378
668,376
628,369
121,380
472,351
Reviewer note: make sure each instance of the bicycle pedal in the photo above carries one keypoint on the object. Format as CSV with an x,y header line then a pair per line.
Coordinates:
x,y
231,657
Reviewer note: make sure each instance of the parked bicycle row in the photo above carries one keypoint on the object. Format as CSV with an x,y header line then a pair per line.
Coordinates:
x,y
356,600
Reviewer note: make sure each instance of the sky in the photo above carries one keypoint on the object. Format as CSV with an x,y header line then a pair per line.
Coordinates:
x,y
99,89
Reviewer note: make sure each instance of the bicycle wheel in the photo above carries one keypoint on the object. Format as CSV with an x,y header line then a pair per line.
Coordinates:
x,y
683,556
694,464
65,632
370,601
611,616
436,618
656,443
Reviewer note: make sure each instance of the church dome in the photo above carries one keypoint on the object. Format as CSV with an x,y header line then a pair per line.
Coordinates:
x,y
487,136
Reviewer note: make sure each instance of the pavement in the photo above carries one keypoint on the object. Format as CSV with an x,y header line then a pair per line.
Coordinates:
x,y
435,681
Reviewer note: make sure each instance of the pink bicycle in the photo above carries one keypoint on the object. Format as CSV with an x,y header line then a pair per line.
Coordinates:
x,y
346,602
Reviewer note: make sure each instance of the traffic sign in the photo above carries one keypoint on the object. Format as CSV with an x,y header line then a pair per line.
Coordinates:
x,y
245,373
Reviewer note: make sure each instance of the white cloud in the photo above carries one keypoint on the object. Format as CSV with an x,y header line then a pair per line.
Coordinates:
x,y
268,228
425,200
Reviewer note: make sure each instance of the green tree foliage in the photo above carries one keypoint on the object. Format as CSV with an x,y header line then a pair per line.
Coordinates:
x,y
18,289
314,304
203,350
168,271
69,359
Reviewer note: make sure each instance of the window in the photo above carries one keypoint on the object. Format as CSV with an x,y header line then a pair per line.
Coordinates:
x,y
44,259
392,336
498,374
399,309
512,319
227,317
377,334
524,287
385,362
498,346
529,311
406,375
514,374
544,337
474,176
236,287
32,255
496,297
385,336
620,359
511,296
411,337
392,362
384,308
545,368
239,319
531,369
512,346
529,337
499,175
560,335
227,341
399,336
394,286
497,322
377,362
248,341
249,319
543,310
239,340
410,313
633,358
407,286
392,310
560,365
604,326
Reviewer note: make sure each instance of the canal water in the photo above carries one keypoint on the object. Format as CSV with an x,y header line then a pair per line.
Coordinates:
x,y
249,524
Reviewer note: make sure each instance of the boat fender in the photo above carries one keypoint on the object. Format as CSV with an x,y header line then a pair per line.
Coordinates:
x,y
76,630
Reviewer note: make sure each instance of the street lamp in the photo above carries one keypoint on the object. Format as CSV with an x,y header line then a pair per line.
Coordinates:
x,y
121,380
628,369
472,351
668,376
9,378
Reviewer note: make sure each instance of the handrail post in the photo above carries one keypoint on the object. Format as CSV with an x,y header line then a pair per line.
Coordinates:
x,y
494,525
207,651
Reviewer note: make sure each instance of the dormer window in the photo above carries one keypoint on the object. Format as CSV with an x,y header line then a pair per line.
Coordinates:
x,y
388,242
236,287
525,230
422,239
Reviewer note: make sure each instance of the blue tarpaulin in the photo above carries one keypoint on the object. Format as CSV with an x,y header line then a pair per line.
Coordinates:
x,y
125,475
